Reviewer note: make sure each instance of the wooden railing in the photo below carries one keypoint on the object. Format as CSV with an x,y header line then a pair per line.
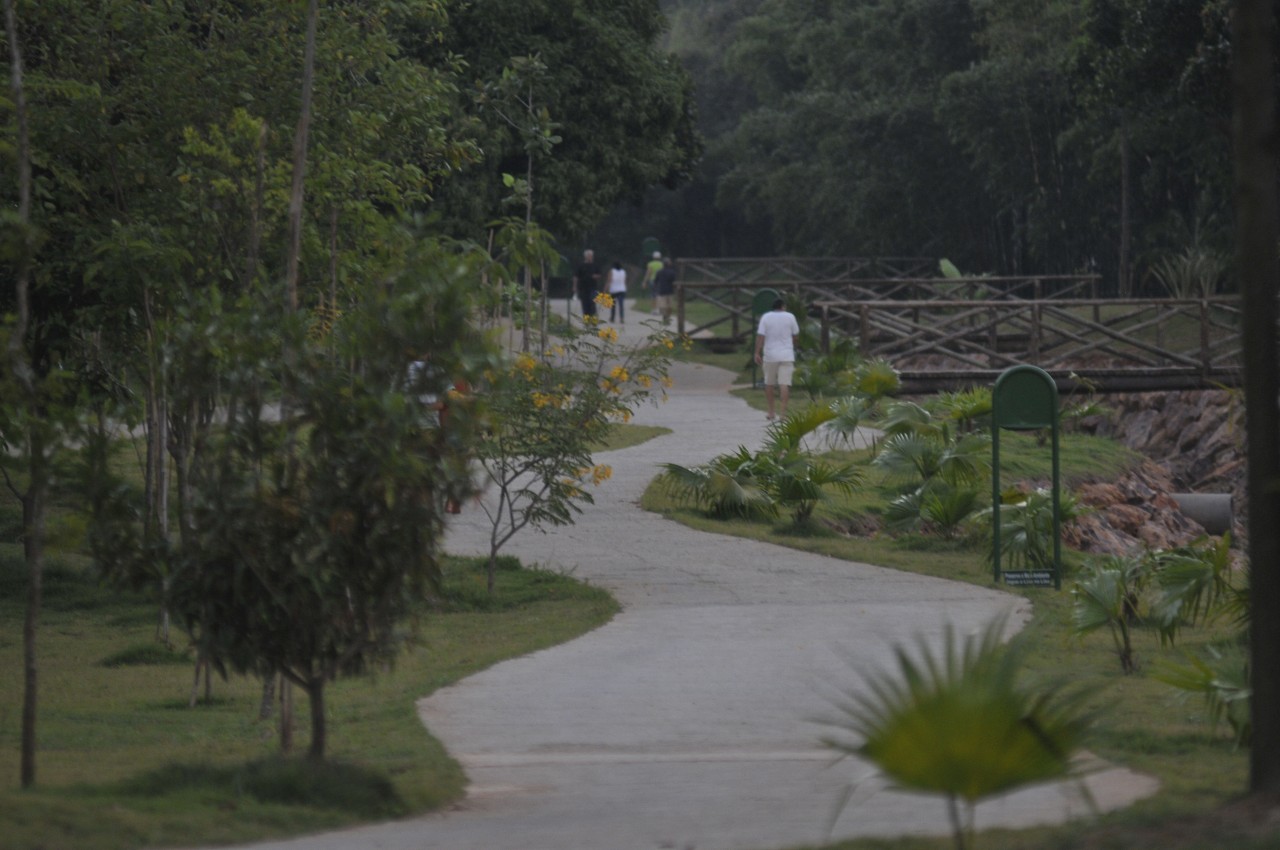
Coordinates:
x,y
716,300
1111,344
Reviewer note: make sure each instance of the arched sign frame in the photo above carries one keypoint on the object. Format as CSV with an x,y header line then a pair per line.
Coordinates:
x,y
1025,398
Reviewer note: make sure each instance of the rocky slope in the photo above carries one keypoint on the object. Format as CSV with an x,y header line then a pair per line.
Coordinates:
x,y
1195,443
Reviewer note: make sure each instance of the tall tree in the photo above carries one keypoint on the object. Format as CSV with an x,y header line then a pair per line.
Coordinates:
x,y
1257,238
624,107
27,412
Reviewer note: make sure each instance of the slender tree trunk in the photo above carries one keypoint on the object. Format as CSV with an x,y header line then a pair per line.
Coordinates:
x,y
297,192
267,704
296,197
1125,273
1257,230
255,211
33,515
20,361
286,715
315,695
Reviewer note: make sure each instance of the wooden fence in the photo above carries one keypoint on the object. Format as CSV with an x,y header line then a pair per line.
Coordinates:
x,y
715,301
1109,344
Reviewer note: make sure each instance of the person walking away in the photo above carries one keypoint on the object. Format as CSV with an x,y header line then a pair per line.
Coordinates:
x,y
664,286
586,282
776,351
651,270
618,291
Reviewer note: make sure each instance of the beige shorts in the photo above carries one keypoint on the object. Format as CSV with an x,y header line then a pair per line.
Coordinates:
x,y
778,372
662,302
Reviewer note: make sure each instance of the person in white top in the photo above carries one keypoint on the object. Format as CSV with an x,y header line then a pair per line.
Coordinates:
x,y
776,351
618,290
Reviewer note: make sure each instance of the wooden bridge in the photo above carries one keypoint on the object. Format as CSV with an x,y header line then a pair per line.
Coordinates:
x,y
950,333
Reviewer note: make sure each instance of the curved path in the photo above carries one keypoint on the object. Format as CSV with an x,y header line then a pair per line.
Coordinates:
x,y
689,720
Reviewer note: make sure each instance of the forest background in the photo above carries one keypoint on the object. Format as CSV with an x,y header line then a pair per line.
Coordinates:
x,y
1013,137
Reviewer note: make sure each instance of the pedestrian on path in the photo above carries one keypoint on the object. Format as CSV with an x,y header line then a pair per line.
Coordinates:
x,y
586,282
776,351
651,270
664,286
618,290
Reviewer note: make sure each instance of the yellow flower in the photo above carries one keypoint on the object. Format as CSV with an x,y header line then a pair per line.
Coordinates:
x,y
608,334
619,374
526,364
666,381
668,343
604,299
600,472
644,381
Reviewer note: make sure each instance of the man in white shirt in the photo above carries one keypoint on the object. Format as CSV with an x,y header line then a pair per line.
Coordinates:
x,y
776,351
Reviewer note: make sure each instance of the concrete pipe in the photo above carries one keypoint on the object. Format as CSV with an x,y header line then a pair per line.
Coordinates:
x,y
1212,510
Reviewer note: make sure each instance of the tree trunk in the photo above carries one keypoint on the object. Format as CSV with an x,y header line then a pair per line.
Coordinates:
x,y
33,500
286,715
1257,229
315,695
300,161
1125,275
266,707
33,515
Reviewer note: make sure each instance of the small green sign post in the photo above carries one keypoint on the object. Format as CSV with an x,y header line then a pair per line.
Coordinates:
x,y
1025,398
761,303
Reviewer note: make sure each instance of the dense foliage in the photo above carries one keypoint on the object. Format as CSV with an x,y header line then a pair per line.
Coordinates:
x,y
1010,136
220,255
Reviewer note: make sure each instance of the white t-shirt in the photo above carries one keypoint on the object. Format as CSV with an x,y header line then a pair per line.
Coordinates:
x,y
778,327
617,280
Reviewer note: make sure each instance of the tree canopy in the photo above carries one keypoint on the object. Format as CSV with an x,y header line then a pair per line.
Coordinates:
x,y
1007,135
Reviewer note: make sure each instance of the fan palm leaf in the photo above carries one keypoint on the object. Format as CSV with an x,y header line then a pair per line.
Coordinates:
x,y
959,722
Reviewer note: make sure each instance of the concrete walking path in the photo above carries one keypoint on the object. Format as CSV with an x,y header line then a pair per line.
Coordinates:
x,y
688,721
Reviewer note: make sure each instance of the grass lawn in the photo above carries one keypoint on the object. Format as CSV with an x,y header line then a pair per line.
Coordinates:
x,y
1143,723
124,762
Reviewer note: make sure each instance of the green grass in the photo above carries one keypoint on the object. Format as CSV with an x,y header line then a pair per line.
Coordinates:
x,y
1144,724
625,436
124,762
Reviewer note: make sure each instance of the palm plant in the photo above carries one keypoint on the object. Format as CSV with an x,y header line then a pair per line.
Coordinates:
x,y
967,408
1192,274
783,474
876,379
961,723
792,476
1026,527
1223,680
828,375
848,414
1195,584
1107,596
728,485
941,471
799,481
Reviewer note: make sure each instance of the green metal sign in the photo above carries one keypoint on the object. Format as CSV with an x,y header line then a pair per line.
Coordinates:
x,y
1025,398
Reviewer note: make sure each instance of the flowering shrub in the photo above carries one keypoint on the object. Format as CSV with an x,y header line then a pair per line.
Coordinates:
x,y
547,411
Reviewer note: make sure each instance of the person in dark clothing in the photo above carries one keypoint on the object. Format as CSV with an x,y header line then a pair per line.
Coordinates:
x,y
586,282
664,286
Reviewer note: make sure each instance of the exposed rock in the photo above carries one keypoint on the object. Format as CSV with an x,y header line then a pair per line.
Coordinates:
x,y
1196,436
1130,514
